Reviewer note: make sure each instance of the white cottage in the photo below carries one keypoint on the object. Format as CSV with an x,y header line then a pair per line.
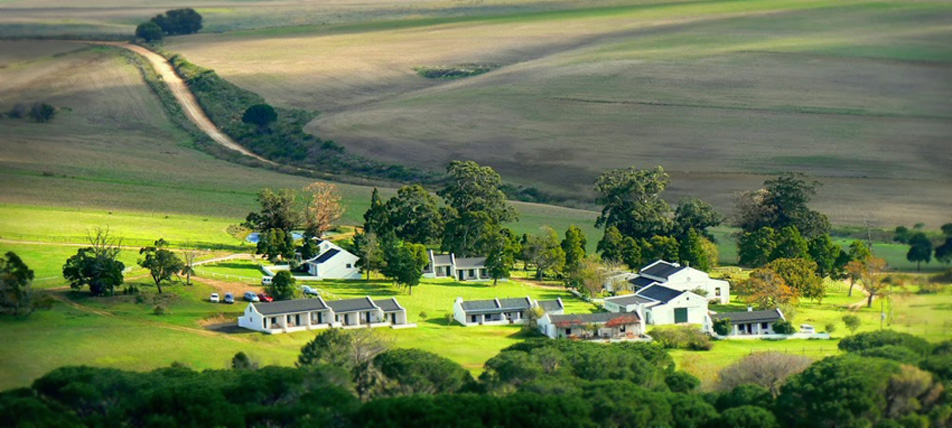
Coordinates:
x,y
458,268
492,312
661,305
313,314
601,325
750,322
333,262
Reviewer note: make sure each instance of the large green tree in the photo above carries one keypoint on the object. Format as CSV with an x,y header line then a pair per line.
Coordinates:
x,y
543,251
631,201
414,215
367,247
278,211
404,263
161,262
825,253
757,248
695,214
376,217
790,245
695,251
149,31
920,249
15,279
179,21
502,248
413,371
800,274
275,244
574,247
282,286
260,115
97,265
782,203
473,202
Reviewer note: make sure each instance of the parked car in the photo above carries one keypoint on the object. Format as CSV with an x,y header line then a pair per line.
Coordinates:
x,y
266,280
229,298
251,296
265,298
214,298
807,328
308,291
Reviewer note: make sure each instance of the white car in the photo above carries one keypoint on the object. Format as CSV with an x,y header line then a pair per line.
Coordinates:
x,y
214,298
308,291
807,328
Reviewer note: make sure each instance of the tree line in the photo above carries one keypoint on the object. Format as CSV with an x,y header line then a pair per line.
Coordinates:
x,y
355,378
171,23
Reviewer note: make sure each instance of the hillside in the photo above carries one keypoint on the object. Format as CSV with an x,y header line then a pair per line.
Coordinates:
x,y
720,93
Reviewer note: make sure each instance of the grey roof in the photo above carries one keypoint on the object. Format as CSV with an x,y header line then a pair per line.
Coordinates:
x,y
769,315
662,269
659,292
495,305
628,299
351,305
470,262
289,306
641,282
598,317
389,305
551,305
441,260
325,256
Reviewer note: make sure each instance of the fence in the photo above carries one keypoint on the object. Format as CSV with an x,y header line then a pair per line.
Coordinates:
x,y
200,272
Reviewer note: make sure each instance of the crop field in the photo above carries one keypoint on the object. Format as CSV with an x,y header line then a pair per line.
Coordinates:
x,y
721,93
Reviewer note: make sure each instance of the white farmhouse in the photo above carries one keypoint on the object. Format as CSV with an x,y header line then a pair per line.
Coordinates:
x,y
600,325
750,322
674,276
661,305
333,262
501,311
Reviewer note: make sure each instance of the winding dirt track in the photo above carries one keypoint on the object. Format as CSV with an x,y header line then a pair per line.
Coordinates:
x,y
186,99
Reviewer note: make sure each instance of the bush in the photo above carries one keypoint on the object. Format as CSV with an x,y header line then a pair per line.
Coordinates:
x,y
681,337
42,112
783,327
744,395
19,111
768,370
681,382
149,31
722,326
876,339
747,417
893,352
455,72
830,327
158,310
931,288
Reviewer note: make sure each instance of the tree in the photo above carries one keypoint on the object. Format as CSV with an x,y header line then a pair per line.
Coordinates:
x,y
871,274
851,322
501,255
782,203
97,265
149,31
783,327
593,274
747,417
323,210
282,286
414,215
189,253
943,253
413,371
179,21
544,252
241,361
766,289
631,201
376,220
275,244
756,248
858,255
790,245
42,112
15,280
769,370
695,214
800,274
751,212
877,339
612,245
661,247
351,350
278,211
474,202
697,252
920,249
160,262
825,253
574,247
367,246
901,234
260,115
404,263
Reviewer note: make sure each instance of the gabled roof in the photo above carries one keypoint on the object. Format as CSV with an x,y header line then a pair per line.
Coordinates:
x,y
661,269
629,299
551,305
495,305
441,260
389,305
289,306
595,318
641,282
659,293
769,315
325,256
470,262
351,305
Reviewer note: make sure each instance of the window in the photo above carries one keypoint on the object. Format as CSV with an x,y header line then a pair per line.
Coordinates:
x,y
472,272
717,292
568,332
349,265
680,315
763,326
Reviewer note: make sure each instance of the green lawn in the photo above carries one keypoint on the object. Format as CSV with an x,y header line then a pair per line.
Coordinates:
x,y
239,270
47,260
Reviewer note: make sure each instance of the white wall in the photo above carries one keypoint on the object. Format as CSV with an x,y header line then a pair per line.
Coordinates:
x,y
251,319
689,279
664,314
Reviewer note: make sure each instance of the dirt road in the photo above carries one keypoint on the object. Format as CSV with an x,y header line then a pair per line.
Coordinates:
x,y
186,99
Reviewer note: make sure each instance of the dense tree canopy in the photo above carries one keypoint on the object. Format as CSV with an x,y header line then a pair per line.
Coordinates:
x,y
473,204
161,262
414,215
631,201
782,203
149,31
97,265
278,211
920,249
16,295
260,115
179,21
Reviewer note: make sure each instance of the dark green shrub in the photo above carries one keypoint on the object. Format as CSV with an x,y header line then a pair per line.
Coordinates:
x,y
783,327
876,339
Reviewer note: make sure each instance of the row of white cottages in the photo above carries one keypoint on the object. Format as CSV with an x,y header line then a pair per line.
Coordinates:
x,y
314,314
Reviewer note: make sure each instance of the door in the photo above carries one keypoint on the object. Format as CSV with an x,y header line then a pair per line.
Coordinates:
x,y
368,317
393,318
680,315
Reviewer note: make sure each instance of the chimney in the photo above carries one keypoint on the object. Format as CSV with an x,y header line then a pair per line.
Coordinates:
x,y
750,309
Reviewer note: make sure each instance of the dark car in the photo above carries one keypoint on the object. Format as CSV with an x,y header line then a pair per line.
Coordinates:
x,y
251,296
265,298
229,298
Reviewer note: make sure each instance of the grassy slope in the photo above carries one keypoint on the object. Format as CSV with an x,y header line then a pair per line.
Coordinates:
x,y
720,93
